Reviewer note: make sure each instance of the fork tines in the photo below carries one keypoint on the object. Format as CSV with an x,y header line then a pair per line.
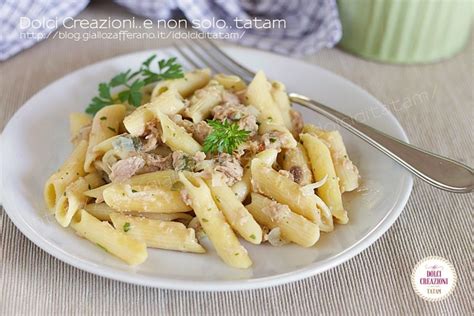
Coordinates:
x,y
205,53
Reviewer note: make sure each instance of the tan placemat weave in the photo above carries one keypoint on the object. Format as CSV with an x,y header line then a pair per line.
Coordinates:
x,y
377,281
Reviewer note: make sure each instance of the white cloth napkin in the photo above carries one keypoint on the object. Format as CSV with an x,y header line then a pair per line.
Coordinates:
x,y
309,24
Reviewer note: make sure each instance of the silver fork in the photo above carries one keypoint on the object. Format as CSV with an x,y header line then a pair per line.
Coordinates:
x,y
441,172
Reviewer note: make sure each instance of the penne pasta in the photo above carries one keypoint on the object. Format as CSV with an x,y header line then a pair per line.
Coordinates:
x,y
322,166
104,125
164,179
258,94
280,97
78,126
72,169
158,234
346,171
78,120
279,187
201,104
294,227
176,137
213,221
242,188
153,173
231,82
125,197
74,199
295,161
102,211
185,86
108,144
169,103
109,239
236,214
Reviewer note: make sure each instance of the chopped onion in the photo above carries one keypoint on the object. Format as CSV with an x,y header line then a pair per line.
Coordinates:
x,y
309,188
275,238
326,224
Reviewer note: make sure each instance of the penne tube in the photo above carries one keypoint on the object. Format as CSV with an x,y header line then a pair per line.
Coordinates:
x,y
185,86
280,97
78,123
158,234
135,123
126,197
214,223
202,102
78,120
169,103
102,211
74,199
182,217
176,136
105,124
109,239
295,161
322,166
101,148
230,82
242,188
72,169
236,214
294,227
269,182
164,179
346,171
258,94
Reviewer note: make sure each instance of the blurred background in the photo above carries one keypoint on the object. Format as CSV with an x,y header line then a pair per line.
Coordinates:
x,y
392,31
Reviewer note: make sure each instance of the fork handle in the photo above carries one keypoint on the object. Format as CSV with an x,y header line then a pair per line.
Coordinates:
x,y
441,172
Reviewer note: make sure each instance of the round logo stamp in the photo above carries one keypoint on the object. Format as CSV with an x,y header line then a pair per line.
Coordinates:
x,y
433,278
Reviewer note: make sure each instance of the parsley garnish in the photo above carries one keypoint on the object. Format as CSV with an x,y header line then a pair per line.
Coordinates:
x,y
224,137
133,82
126,227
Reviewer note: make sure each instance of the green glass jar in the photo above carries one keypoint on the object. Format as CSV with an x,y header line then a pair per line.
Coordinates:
x,y
405,31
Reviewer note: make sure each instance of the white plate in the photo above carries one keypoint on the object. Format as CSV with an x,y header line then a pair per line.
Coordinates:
x,y
35,143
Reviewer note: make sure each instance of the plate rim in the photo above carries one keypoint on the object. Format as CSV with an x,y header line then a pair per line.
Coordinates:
x,y
220,285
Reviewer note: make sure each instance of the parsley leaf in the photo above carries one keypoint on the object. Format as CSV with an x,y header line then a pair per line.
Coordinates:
x,y
132,83
224,137
126,227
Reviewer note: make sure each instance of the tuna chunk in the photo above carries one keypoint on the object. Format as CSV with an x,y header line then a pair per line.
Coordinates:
x,y
245,116
154,162
124,169
297,123
230,168
276,140
201,130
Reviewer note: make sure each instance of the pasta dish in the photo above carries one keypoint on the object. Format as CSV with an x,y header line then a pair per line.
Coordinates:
x,y
163,159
